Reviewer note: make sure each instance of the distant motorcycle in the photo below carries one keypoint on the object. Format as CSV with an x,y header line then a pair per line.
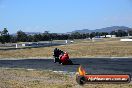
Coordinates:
x,y
61,57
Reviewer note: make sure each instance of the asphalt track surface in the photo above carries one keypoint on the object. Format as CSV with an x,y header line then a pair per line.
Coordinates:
x,y
91,65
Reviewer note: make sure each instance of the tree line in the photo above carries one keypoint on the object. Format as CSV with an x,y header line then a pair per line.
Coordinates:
x,y
21,36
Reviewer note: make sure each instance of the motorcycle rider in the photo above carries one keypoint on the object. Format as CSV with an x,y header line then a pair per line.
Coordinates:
x,y
56,55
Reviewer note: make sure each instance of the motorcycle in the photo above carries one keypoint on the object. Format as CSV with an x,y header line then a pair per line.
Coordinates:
x,y
61,57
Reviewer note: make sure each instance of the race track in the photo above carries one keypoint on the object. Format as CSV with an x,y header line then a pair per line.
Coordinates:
x,y
91,65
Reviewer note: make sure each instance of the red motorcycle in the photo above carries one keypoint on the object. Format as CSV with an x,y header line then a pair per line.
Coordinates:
x,y
61,57
64,59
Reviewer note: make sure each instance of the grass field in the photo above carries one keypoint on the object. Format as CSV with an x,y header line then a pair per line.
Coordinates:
x,y
80,48
22,78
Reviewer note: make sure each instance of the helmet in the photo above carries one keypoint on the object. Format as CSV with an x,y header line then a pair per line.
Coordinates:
x,y
65,54
55,49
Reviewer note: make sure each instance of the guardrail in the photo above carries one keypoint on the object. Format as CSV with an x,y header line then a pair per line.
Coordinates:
x,y
28,46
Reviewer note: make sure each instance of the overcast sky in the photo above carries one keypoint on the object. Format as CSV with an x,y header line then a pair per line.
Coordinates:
x,y
63,15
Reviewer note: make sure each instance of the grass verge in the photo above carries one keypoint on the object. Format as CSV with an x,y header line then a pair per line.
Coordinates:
x,y
22,78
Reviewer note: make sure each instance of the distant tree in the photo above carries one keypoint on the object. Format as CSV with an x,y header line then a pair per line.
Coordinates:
x,y
21,36
54,36
113,33
70,36
4,32
87,35
104,34
5,37
13,39
83,36
97,34
45,36
37,37
93,34
46,32
1,40
30,38
119,33
76,35
64,37
130,32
